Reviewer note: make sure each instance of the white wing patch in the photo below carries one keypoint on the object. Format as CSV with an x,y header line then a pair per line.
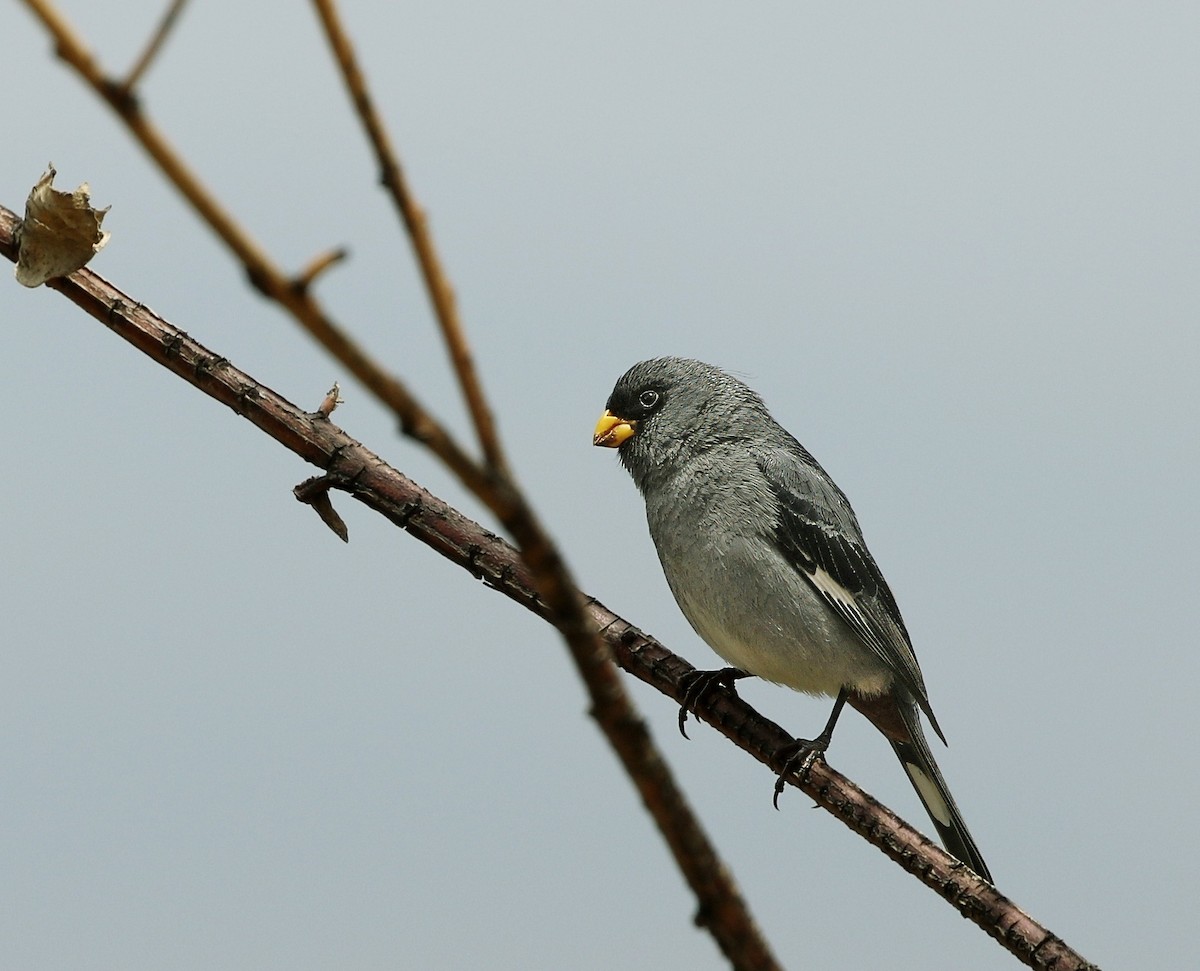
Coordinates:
x,y
833,590
846,604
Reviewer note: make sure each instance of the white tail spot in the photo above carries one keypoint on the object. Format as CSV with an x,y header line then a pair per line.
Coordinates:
x,y
934,801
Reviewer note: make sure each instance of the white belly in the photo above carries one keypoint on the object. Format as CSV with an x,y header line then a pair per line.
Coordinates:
x,y
762,616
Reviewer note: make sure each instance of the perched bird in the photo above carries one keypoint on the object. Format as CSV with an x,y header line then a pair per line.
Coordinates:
x,y
767,561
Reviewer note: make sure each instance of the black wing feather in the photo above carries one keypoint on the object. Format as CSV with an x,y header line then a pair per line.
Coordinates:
x,y
817,532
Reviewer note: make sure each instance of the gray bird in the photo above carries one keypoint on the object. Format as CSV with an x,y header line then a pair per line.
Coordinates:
x,y
766,560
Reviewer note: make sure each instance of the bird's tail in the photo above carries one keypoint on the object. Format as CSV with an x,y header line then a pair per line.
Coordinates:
x,y
908,742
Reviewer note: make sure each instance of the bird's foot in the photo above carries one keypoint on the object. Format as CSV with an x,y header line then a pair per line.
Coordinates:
x,y
799,757
697,684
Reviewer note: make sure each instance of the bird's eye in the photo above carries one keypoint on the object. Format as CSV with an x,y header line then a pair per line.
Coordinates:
x,y
648,399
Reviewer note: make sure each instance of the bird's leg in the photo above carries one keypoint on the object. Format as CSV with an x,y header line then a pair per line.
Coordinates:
x,y
697,684
800,755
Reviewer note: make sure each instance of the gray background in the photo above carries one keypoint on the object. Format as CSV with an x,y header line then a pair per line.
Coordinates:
x,y
954,246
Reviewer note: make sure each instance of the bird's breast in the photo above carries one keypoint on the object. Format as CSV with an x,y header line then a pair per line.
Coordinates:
x,y
756,611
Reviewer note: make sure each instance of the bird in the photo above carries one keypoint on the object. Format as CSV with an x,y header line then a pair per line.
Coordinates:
x,y
765,557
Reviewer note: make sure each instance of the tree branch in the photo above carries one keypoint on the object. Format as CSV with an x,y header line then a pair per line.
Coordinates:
x,y
351,467
437,284
153,46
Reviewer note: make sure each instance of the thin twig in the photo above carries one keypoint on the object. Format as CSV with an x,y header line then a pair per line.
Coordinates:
x,y
538,551
333,398
318,265
441,294
351,467
152,48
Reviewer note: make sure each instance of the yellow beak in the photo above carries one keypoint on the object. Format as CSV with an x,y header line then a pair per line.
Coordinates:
x,y
611,431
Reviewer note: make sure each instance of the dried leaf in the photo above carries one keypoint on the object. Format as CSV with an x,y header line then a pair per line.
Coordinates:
x,y
60,232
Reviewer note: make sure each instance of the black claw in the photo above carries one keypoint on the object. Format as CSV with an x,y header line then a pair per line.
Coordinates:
x,y
683,713
800,756
697,684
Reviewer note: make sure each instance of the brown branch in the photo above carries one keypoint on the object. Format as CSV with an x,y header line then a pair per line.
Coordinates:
x,y
333,398
263,274
152,47
441,294
549,570
318,265
351,467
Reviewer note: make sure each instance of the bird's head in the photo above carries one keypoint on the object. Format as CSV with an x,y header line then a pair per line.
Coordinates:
x,y
664,410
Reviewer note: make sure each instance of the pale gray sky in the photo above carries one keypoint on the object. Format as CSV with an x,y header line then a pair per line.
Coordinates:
x,y
956,249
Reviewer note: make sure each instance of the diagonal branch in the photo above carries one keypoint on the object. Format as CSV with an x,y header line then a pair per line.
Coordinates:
x,y
550,571
391,175
351,467
157,39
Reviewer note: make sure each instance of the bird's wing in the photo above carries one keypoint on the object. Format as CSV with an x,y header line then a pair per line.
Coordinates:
x,y
818,533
